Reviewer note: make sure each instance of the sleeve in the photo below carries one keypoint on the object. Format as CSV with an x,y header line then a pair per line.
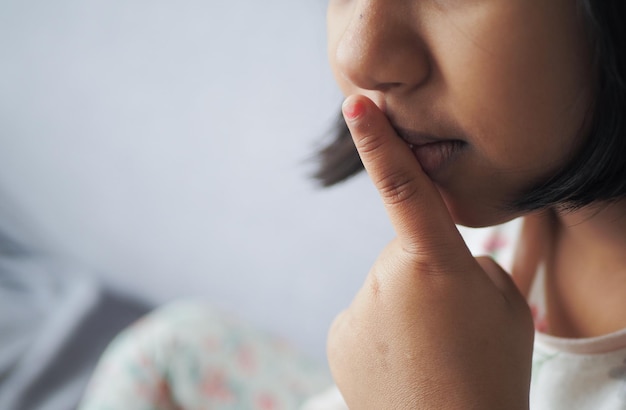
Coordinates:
x,y
188,355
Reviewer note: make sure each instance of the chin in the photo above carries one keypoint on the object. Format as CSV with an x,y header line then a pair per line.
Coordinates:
x,y
477,215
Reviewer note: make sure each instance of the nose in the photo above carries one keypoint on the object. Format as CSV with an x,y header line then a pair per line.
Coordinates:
x,y
381,48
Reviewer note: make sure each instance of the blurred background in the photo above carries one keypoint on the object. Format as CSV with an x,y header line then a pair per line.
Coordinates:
x,y
165,148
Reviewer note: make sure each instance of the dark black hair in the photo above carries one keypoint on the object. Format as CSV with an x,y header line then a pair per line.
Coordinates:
x,y
598,172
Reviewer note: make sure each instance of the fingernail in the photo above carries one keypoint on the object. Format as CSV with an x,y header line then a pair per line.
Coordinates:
x,y
352,109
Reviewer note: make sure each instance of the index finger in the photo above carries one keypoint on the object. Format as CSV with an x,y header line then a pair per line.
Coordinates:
x,y
415,207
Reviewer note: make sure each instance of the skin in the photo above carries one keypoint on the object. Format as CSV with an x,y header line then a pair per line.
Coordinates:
x,y
434,327
510,78
427,304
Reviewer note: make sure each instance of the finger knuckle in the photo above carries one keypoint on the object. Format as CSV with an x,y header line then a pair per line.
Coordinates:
x,y
369,143
396,188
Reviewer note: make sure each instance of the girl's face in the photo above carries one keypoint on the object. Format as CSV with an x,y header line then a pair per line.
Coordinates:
x,y
510,79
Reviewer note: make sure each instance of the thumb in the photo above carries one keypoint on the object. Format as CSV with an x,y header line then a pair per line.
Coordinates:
x,y
504,282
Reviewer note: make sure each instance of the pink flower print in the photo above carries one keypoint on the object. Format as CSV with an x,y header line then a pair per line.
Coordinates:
x,y
149,383
266,401
247,359
212,344
541,323
215,386
495,242
534,311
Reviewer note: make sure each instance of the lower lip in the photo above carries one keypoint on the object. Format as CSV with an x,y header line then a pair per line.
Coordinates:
x,y
436,155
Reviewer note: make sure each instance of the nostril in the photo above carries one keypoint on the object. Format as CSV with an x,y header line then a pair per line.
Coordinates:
x,y
388,86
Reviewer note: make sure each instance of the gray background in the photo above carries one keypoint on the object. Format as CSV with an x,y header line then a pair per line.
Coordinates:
x,y
165,146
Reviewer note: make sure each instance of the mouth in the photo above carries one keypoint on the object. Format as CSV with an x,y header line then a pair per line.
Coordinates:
x,y
432,152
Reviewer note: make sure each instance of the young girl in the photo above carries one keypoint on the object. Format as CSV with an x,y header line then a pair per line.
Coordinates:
x,y
477,112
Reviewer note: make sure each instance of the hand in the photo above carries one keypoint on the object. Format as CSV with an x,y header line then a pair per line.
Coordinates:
x,y
432,327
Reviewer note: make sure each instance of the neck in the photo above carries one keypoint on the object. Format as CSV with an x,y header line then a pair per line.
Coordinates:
x,y
586,280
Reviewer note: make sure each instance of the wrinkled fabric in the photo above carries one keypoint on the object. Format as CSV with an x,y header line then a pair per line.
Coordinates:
x,y
55,321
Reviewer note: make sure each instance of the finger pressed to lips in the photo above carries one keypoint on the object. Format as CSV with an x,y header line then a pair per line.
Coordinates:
x,y
412,201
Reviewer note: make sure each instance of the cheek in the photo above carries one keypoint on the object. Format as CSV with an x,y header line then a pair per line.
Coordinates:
x,y
523,91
